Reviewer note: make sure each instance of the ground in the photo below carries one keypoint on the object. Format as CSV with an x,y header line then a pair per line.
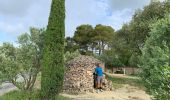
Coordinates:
x,y
125,92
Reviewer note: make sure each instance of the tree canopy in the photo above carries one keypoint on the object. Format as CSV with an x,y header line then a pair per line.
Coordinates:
x,y
156,60
20,65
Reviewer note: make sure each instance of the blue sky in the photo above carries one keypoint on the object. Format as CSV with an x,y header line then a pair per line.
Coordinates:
x,y
16,16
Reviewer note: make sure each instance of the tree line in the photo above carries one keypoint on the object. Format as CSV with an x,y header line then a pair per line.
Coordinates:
x,y
87,39
143,42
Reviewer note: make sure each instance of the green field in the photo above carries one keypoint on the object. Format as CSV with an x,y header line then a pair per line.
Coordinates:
x,y
118,82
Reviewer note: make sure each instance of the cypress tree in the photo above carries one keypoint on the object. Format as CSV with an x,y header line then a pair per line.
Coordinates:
x,y
53,55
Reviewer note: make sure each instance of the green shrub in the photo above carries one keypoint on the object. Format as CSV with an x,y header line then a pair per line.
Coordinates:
x,y
156,60
71,55
53,55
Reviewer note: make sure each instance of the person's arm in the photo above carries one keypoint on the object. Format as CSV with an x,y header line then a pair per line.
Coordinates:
x,y
103,71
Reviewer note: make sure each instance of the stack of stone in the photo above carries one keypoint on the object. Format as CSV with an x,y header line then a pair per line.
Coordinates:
x,y
79,75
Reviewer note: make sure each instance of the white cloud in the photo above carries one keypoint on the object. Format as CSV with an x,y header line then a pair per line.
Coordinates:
x,y
16,16
17,8
117,18
9,28
84,12
124,4
108,12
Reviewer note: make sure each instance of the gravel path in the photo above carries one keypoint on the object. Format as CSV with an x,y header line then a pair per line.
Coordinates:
x,y
125,93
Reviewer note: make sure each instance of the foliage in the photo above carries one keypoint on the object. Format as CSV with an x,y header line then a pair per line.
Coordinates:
x,y
53,54
104,33
20,65
89,38
156,60
71,55
111,59
82,37
8,64
139,26
130,39
70,45
132,81
20,95
120,51
103,36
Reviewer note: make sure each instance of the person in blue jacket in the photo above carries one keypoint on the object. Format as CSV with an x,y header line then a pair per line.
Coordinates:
x,y
99,76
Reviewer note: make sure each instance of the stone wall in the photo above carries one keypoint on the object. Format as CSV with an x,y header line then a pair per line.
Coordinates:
x,y
79,75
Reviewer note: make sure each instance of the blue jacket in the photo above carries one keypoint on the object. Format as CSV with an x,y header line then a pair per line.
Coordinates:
x,y
99,71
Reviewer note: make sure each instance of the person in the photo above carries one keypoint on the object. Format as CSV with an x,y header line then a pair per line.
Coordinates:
x,y
99,76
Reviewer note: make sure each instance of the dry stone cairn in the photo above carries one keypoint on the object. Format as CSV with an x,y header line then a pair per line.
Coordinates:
x,y
79,75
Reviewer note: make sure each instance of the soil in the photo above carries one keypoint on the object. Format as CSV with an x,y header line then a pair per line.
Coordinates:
x,y
124,93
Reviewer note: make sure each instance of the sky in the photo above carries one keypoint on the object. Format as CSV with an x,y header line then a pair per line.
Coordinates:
x,y
17,16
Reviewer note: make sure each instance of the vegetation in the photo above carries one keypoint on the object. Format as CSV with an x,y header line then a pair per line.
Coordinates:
x,y
156,60
53,55
130,39
89,39
71,55
143,42
118,82
70,45
82,37
20,95
20,65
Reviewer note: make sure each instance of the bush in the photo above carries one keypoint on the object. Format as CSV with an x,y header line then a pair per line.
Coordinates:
x,y
111,59
156,60
68,56
20,65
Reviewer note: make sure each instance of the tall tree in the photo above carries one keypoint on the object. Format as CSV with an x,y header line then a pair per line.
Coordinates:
x,y
82,37
53,55
20,65
131,38
156,60
141,20
103,36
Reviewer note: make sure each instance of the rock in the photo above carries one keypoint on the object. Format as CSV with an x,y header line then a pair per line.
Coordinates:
x,y
79,75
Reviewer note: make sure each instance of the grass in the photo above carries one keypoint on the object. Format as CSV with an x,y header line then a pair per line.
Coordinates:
x,y
34,95
118,82
20,95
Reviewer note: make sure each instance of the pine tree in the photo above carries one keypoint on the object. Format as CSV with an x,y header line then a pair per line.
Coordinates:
x,y
53,55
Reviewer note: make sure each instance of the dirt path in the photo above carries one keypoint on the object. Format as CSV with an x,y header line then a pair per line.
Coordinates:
x,y
125,93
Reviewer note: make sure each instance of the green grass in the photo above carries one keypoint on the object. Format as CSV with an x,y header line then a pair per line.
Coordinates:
x,y
118,82
20,95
